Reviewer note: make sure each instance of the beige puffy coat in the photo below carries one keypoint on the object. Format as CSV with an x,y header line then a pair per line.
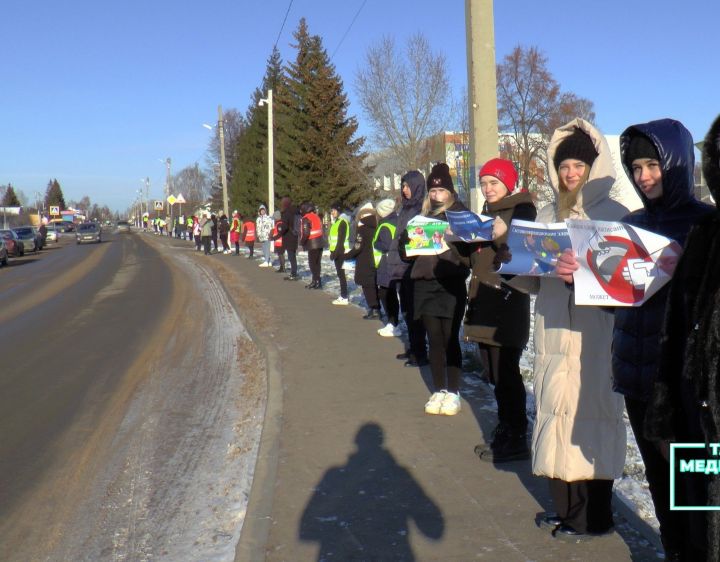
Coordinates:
x,y
579,432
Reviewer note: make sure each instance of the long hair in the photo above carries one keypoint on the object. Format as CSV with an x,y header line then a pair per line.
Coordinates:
x,y
427,208
566,199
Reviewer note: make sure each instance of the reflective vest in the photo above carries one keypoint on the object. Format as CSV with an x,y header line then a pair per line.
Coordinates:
x,y
333,234
278,241
316,230
189,222
377,254
249,227
235,225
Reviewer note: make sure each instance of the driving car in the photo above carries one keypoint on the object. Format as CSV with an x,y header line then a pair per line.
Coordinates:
x,y
30,237
88,232
52,234
3,253
123,226
14,245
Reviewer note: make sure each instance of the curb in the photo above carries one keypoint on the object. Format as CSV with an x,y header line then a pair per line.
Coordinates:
x,y
626,511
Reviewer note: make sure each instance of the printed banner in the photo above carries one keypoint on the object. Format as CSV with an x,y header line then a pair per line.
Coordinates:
x,y
427,236
469,227
533,248
620,264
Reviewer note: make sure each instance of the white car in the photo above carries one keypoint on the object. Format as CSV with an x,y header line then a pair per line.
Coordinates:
x,y
52,233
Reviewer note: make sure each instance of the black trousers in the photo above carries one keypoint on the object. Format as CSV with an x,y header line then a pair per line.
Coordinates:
x,y
341,277
214,241
585,505
445,354
416,328
389,299
198,241
225,244
371,296
251,247
314,257
281,258
292,258
206,244
503,367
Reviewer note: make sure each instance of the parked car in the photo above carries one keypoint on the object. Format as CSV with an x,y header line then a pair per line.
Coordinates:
x,y
123,226
30,237
3,253
14,245
88,232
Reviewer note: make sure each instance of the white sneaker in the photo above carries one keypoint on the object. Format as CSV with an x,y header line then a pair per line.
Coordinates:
x,y
264,264
434,405
341,301
450,404
389,331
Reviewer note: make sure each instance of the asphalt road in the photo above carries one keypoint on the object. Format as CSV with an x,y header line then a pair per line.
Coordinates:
x,y
112,411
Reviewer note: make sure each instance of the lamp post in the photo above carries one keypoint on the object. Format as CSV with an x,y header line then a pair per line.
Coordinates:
x,y
271,185
223,169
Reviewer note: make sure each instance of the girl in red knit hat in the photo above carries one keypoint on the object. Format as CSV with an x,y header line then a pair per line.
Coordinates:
x,y
498,316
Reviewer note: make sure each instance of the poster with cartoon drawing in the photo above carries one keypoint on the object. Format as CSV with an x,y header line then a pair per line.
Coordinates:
x,y
620,264
426,236
533,248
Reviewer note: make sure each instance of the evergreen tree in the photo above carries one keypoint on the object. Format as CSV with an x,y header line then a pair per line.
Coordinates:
x,y
249,186
326,162
10,199
54,195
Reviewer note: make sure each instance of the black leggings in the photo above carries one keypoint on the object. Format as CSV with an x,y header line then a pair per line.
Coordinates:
x,y
416,328
371,296
503,367
445,353
389,299
314,257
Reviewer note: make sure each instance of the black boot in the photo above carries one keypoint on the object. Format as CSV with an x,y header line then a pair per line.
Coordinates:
x,y
312,285
371,314
508,445
317,285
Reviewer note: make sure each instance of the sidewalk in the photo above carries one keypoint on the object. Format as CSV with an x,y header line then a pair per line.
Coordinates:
x,y
351,468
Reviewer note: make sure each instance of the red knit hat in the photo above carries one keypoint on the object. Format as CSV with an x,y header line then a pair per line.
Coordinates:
x,y
502,169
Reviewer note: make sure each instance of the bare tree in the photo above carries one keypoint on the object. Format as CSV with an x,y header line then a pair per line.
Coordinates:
x,y
406,97
193,183
530,107
234,124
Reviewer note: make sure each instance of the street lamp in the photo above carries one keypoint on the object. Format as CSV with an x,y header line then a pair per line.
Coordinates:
x,y
271,186
223,169
146,181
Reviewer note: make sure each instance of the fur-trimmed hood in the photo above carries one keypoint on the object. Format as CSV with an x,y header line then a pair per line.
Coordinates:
x,y
711,159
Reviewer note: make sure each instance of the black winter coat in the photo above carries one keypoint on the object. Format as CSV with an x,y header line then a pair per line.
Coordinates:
x,y
636,335
398,265
362,252
685,404
287,229
497,314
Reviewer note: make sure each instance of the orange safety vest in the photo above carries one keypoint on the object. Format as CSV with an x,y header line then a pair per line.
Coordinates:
x,y
316,229
278,241
249,227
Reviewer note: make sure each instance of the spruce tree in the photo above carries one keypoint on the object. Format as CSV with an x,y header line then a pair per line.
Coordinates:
x,y
249,187
54,195
326,161
10,199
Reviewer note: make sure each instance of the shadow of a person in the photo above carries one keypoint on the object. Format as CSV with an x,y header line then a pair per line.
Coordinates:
x,y
361,511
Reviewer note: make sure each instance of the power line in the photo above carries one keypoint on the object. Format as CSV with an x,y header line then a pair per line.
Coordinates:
x,y
283,24
348,29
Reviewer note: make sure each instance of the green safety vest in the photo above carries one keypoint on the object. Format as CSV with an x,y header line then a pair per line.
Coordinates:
x,y
333,235
377,254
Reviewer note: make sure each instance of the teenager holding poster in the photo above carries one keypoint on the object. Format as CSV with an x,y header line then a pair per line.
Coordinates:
x,y
579,435
498,316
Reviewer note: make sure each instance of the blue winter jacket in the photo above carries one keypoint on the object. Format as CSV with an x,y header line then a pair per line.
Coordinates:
x,y
636,336
398,267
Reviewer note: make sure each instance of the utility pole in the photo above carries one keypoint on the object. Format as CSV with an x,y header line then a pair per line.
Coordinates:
x,y
271,173
482,90
147,196
223,170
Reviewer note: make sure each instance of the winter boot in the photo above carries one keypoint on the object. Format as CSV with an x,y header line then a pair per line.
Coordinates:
x,y
371,314
508,445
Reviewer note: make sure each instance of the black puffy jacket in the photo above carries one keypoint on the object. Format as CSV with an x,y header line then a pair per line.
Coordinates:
x,y
636,336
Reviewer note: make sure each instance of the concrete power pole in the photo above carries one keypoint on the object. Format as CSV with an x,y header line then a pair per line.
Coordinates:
x,y
223,169
482,90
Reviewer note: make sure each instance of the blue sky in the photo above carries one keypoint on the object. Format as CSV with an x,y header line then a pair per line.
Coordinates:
x,y
95,94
